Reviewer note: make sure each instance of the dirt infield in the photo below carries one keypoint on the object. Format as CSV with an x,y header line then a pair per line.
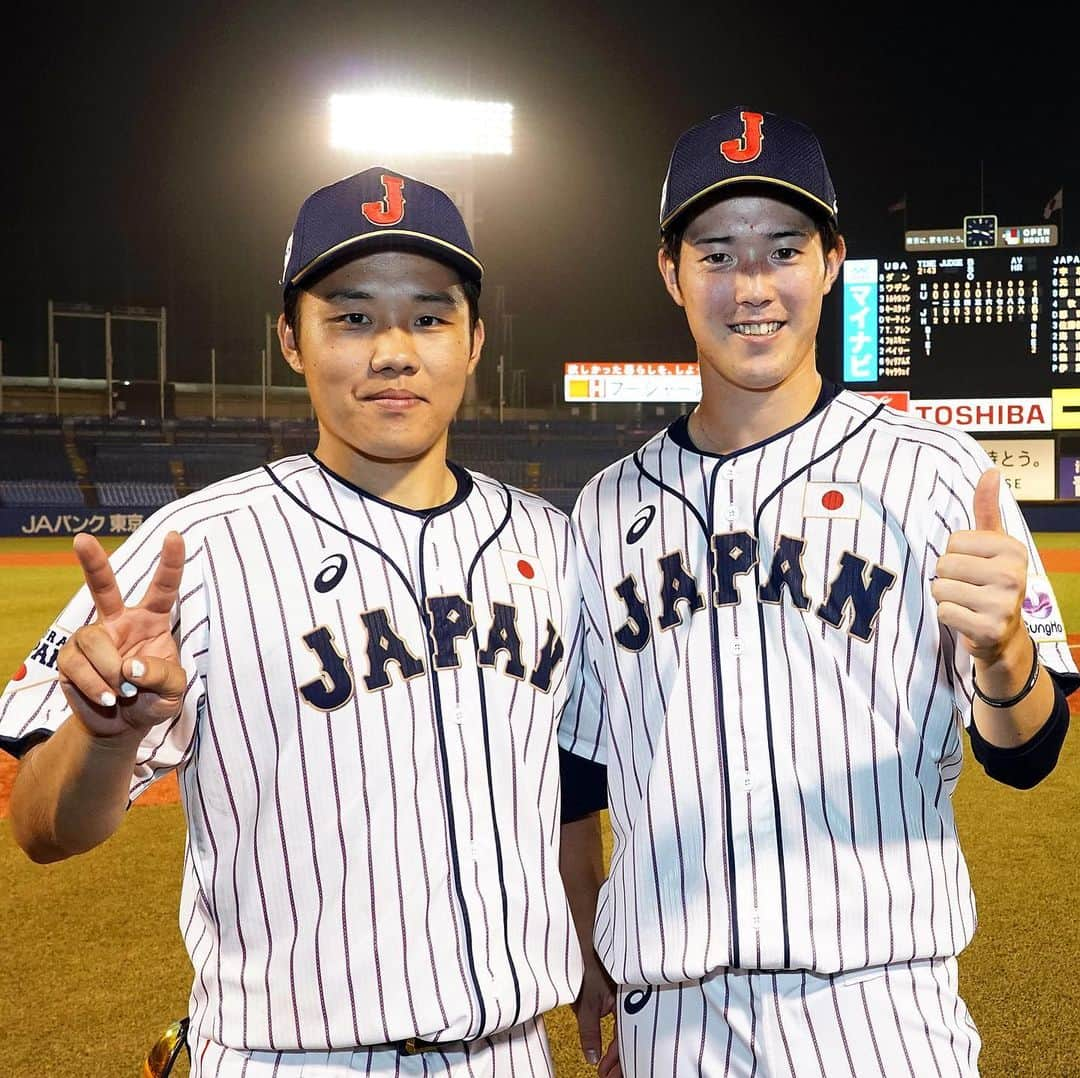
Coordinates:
x,y
41,559
1054,561
1061,561
164,792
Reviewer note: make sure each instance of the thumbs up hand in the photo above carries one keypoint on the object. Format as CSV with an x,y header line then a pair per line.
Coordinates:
x,y
982,577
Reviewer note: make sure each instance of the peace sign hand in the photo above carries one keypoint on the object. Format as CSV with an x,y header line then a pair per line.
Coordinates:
x,y
122,673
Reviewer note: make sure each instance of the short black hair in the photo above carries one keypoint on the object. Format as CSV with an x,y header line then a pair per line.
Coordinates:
x,y
291,306
671,237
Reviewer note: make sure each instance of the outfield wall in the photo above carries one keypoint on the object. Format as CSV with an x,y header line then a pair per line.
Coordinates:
x,y
64,520
123,520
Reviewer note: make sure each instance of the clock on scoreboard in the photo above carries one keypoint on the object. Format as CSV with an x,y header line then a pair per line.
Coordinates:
x,y
980,230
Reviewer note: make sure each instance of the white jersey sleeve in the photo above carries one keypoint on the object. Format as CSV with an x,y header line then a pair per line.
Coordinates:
x,y
1041,611
32,706
582,727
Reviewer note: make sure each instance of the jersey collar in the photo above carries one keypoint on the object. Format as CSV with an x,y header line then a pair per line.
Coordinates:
x,y
464,489
679,430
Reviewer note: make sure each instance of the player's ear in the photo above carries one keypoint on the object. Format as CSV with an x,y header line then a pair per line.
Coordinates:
x,y
834,259
289,349
669,271
476,345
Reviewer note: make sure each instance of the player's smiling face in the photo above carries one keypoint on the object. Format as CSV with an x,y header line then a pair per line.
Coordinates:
x,y
385,348
751,277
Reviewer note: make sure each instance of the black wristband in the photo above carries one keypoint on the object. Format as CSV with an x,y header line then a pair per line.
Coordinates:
x,y
1033,676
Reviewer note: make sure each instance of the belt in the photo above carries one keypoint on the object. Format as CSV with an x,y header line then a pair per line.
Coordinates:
x,y
415,1046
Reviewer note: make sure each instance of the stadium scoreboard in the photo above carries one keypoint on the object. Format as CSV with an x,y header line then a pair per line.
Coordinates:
x,y
987,340
1006,322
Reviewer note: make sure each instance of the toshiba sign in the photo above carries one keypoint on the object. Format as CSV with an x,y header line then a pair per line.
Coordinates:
x,y
989,413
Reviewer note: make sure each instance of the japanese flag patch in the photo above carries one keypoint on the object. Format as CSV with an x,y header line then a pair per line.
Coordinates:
x,y
524,569
841,501
40,664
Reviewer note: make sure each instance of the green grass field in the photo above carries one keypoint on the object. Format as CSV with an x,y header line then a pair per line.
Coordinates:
x,y
95,967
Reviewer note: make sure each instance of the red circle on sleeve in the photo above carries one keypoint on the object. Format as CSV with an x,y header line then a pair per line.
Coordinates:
x,y
526,570
832,499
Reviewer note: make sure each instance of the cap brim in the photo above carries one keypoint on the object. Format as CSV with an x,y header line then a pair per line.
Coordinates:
x,y
768,181
461,260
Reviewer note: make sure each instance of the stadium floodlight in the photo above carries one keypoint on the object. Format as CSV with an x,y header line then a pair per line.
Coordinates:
x,y
384,122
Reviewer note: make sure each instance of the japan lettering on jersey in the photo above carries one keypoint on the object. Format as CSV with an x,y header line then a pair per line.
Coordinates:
x,y
366,755
778,708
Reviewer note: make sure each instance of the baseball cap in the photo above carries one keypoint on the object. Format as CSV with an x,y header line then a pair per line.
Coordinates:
x,y
740,145
374,210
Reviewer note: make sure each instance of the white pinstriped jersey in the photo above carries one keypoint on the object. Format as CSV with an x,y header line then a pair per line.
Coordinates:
x,y
367,755
781,712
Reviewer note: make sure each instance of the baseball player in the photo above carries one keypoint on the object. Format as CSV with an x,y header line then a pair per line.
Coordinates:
x,y
796,601
355,660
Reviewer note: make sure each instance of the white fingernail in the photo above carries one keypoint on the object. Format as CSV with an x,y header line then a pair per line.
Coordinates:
x,y
108,699
137,668
127,689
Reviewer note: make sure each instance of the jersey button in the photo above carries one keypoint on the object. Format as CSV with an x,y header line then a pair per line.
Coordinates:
x,y
736,648
731,513
727,469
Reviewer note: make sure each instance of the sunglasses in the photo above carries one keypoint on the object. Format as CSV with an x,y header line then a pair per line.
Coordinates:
x,y
168,1049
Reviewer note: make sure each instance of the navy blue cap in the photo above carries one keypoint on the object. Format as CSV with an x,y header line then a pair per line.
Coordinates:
x,y
738,146
374,210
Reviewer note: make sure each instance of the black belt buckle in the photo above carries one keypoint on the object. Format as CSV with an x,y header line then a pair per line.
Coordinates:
x,y
415,1046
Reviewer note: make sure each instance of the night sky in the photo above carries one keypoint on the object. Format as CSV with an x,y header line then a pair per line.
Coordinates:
x,y
156,154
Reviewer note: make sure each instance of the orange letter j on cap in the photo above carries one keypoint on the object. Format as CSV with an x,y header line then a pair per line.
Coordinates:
x,y
391,209
741,150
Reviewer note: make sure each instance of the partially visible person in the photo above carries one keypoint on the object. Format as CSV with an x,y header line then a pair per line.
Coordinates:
x,y
797,600
355,660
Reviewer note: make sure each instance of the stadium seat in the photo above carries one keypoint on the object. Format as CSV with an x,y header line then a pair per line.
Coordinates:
x,y
43,493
